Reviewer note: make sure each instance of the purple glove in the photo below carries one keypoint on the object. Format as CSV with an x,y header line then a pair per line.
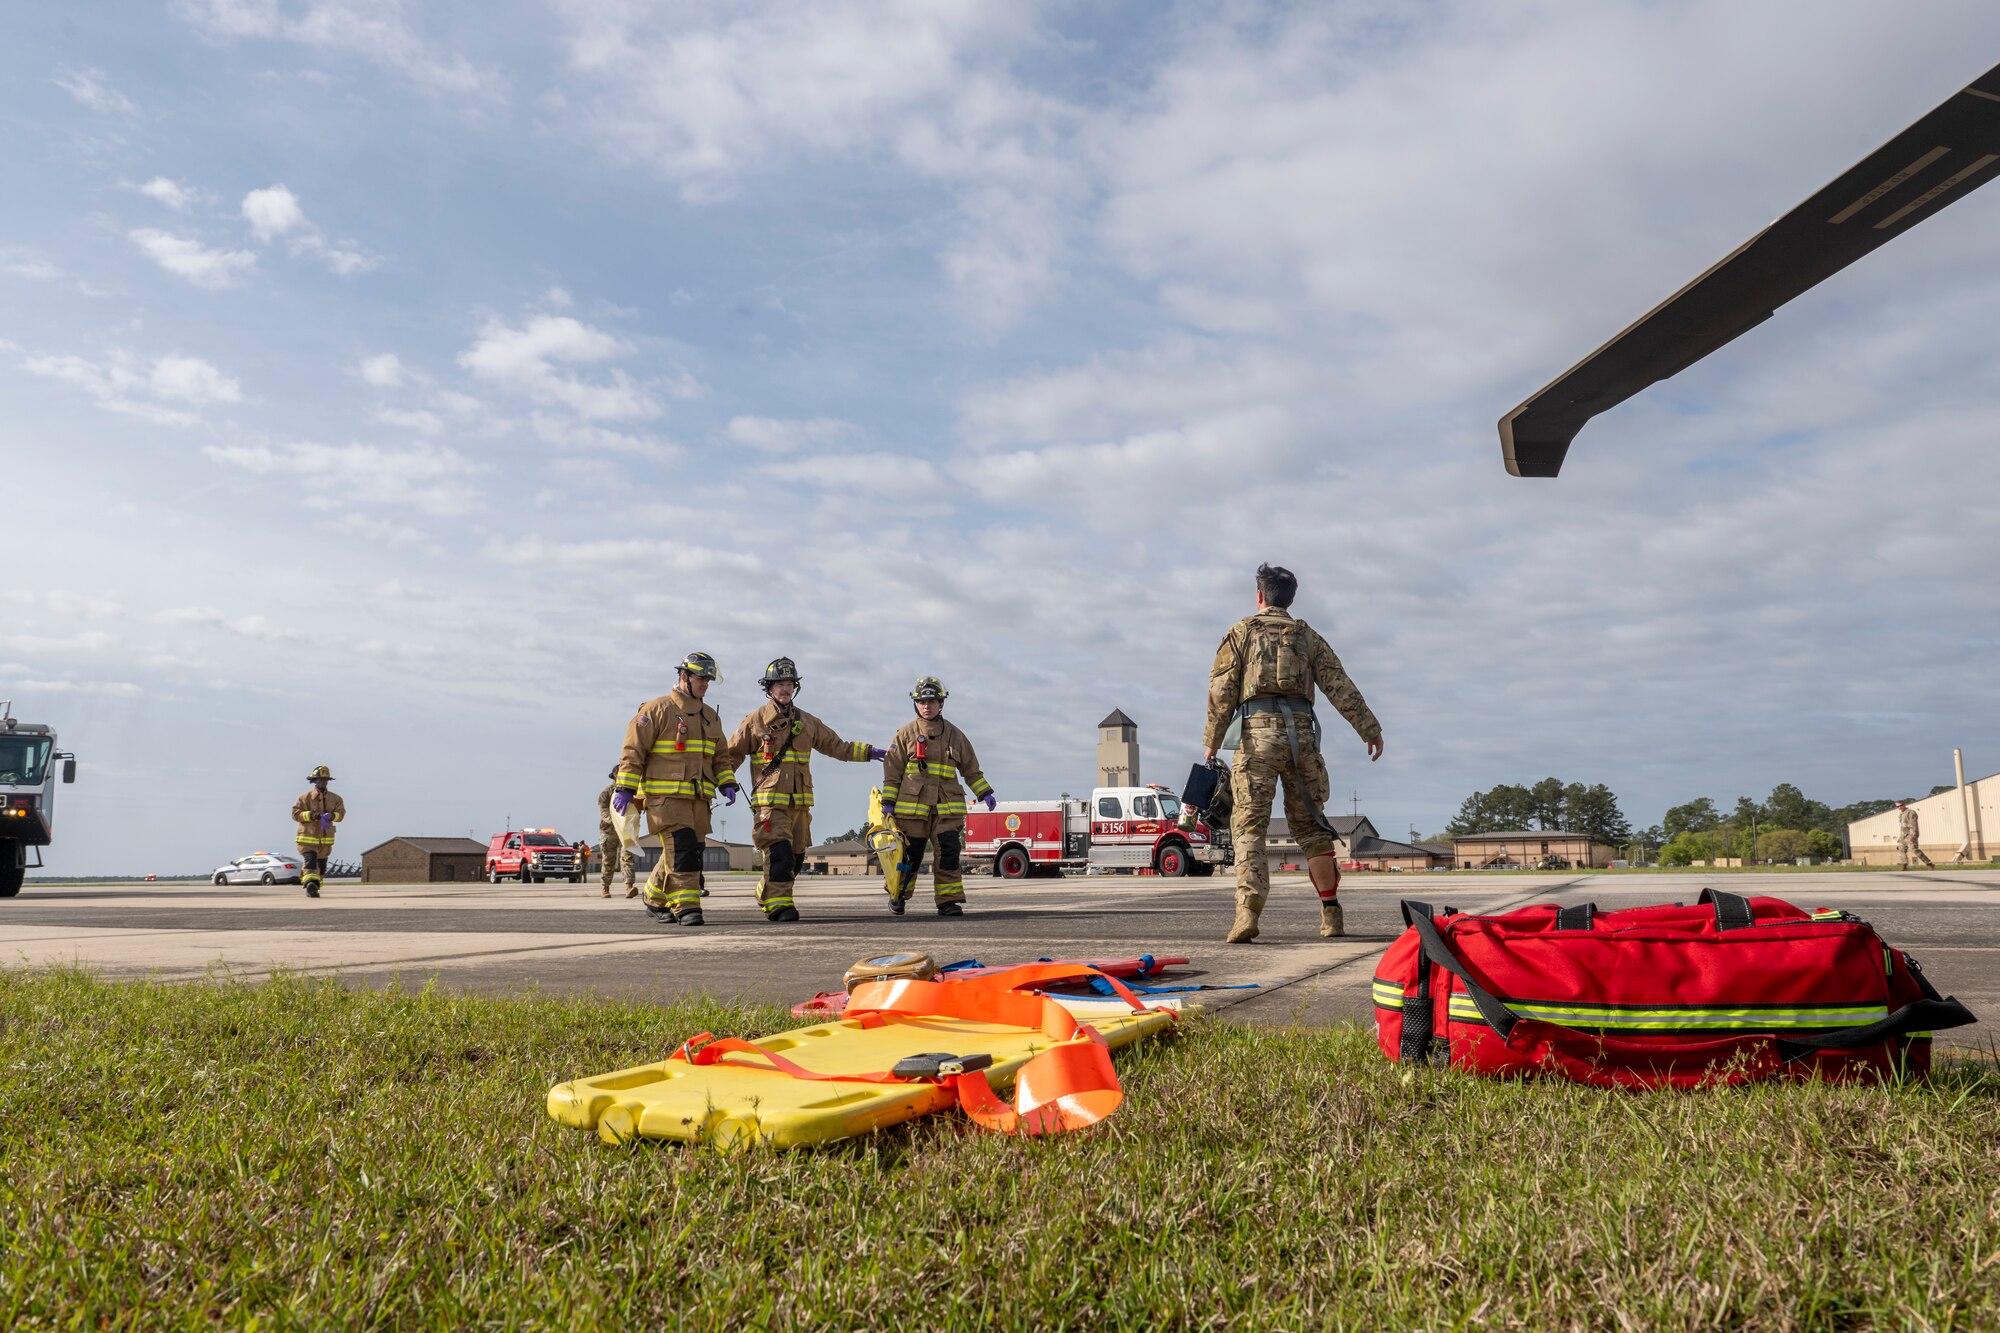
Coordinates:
x,y
990,799
325,820
876,753
621,799
729,794
888,808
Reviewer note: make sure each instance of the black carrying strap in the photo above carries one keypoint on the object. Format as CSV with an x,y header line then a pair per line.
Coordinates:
x,y
1576,917
1732,912
1497,1015
1919,1016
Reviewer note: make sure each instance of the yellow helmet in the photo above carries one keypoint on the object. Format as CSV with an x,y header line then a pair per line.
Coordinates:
x,y
321,772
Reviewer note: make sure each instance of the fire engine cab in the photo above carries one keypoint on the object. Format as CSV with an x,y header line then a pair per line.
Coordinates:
x,y
533,855
1118,828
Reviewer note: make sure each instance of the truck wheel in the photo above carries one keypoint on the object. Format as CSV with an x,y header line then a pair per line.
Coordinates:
x,y
492,876
13,869
1013,863
1173,860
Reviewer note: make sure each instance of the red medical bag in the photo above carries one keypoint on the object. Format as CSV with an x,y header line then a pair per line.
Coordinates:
x,y
1725,991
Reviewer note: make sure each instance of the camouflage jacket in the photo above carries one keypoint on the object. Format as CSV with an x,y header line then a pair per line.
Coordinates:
x,y
1270,655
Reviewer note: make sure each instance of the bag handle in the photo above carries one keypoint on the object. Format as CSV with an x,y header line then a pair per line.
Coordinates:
x,y
1577,916
1732,911
1491,1008
1917,1016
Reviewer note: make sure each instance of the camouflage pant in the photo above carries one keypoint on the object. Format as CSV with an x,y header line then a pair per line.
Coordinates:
x,y
1907,851
782,834
614,853
947,870
1264,759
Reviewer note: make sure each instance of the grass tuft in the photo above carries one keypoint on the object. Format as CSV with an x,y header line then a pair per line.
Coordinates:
x,y
300,1154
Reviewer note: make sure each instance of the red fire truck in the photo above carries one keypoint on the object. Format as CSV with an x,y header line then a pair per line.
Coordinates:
x,y
1118,828
533,855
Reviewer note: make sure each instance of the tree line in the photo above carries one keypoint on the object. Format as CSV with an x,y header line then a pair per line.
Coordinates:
x,y
1784,826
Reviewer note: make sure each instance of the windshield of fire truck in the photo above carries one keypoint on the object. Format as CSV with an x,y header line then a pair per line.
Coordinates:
x,y
24,760
1170,807
545,840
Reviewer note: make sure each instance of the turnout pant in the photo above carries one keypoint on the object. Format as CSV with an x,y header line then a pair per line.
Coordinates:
x,y
1264,761
782,833
313,857
682,824
948,832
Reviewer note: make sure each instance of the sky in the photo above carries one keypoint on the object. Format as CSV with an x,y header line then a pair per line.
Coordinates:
x,y
407,387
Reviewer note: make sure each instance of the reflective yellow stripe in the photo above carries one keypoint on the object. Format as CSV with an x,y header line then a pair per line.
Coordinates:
x,y
857,751
1686,1018
786,798
758,760
980,786
1388,995
693,746
951,807
937,770
631,779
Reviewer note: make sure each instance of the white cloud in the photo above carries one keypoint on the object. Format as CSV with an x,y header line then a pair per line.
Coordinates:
x,y
417,419
384,371
88,86
774,435
373,30
258,627
428,477
117,689
189,379
121,384
190,259
708,97
171,193
568,434
877,474
662,555
524,360
34,269
272,211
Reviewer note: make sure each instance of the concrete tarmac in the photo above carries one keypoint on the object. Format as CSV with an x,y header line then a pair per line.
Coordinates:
x,y
565,938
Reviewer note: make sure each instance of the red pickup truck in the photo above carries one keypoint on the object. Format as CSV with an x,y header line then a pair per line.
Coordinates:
x,y
531,855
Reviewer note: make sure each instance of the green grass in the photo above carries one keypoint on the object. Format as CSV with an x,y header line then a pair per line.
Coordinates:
x,y
296,1154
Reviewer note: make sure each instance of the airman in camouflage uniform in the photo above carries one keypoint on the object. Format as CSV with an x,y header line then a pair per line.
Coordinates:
x,y
1265,672
611,848
1907,846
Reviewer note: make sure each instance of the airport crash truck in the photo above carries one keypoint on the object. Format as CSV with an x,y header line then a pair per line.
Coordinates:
x,y
532,855
1118,828
28,770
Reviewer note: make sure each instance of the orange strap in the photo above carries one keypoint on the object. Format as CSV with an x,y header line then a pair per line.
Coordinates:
x,y
1069,1086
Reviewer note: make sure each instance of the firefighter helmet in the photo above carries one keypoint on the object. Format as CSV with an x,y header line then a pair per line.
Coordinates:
x,y
700,664
930,687
321,772
781,668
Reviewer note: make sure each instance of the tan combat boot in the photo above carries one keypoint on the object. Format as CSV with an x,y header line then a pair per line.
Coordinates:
x,y
1244,929
1325,874
631,889
607,888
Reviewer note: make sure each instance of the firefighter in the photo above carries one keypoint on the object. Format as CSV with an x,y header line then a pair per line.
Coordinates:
x,y
778,739
677,756
611,847
316,813
921,792
1264,673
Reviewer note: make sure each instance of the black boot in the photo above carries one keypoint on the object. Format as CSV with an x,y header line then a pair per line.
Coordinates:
x,y
950,909
782,914
690,916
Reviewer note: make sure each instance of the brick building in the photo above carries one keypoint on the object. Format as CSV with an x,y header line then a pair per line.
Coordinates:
x,y
424,861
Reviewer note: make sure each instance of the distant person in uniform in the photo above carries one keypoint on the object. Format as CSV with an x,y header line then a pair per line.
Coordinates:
x,y
1264,675
1907,845
611,848
315,813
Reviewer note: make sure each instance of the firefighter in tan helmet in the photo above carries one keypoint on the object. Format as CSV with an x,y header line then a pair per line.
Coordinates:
x,y
676,758
315,813
1264,675
778,739
921,792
